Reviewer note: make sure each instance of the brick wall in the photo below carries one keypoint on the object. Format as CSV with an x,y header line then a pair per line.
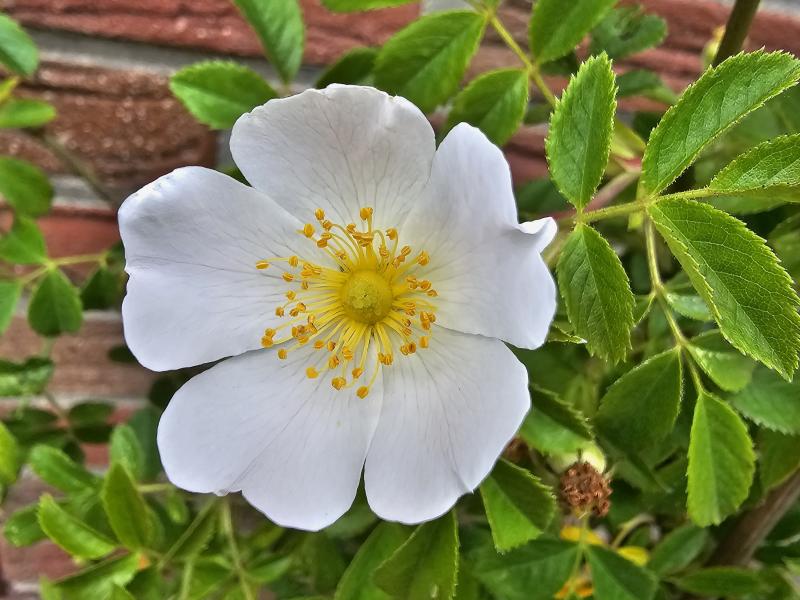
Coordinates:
x,y
105,67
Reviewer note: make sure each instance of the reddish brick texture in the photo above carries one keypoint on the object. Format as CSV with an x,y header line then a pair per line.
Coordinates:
x,y
129,129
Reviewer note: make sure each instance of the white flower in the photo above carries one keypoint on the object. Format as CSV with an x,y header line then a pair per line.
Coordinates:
x,y
363,285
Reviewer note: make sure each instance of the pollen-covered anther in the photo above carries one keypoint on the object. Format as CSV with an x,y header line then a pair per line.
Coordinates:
x,y
262,264
368,299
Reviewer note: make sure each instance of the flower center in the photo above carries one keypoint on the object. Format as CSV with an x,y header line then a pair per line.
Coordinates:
x,y
372,300
366,297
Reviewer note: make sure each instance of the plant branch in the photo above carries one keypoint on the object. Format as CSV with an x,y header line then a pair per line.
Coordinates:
x,y
227,528
736,29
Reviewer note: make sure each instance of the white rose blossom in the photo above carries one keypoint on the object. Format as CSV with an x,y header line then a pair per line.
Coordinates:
x,y
362,286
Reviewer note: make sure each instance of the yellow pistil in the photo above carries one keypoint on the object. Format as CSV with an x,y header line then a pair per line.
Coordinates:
x,y
371,299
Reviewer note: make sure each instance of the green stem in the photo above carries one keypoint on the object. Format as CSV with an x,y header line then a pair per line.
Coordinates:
x,y
187,533
533,71
154,488
736,29
227,528
100,257
619,210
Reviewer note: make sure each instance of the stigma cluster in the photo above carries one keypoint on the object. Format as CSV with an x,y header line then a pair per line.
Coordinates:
x,y
371,299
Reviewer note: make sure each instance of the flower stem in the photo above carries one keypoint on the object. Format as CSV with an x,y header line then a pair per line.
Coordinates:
x,y
736,29
227,528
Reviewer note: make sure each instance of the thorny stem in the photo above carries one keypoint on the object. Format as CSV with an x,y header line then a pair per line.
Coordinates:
x,y
736,29
227,528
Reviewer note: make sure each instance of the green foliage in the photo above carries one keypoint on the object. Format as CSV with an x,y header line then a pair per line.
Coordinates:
x,y
627,30
778,457
556,28
22,527
725,366
217,93
24,379
10,292
517,505
579,138
126,450
60,471
55,306
25,187
596,293
722,581
354,5
280,28
640,409
125,508
69,532
678,549
18,53
24,243
23,112
616,578
715,102
536,571
771,402
708,243
721,461
425,61
357,581
553,426
425,565
354,67
495,103
9,456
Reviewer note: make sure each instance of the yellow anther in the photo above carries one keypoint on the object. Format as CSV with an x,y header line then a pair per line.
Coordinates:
x,y
423,258
279,312
404,349
318,344
327,225
312,373
362,391
351,228
308,230
283,353
269,332
383,251
322,243
412,347
432,293
294,261
262,264
391,233
304,285
331,345
338,382
347,353
405,250
291,294
333,362
423,342
357,372
425,284
266,342
320,214
365,213
288,277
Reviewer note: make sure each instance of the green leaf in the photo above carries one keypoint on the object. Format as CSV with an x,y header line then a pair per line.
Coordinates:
x,y
495,102
125,508
55,306
519,507
426,565
25,187
9,456
24,244
732,268
722,581
720,98
24,379
553,426
219,92
596,292
16,113
279,26
70,533
641,82
557,27
640,409
779,457
771,402
720,361
194,539
96,581
125,449
60,471
354,67
536,571
770,170
721,461
354,5
118,593
356,583
617,578
17,50
22,527
90,413
627,30
678,549
581,126
101,290
425,61
785,239
689,305
10,291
